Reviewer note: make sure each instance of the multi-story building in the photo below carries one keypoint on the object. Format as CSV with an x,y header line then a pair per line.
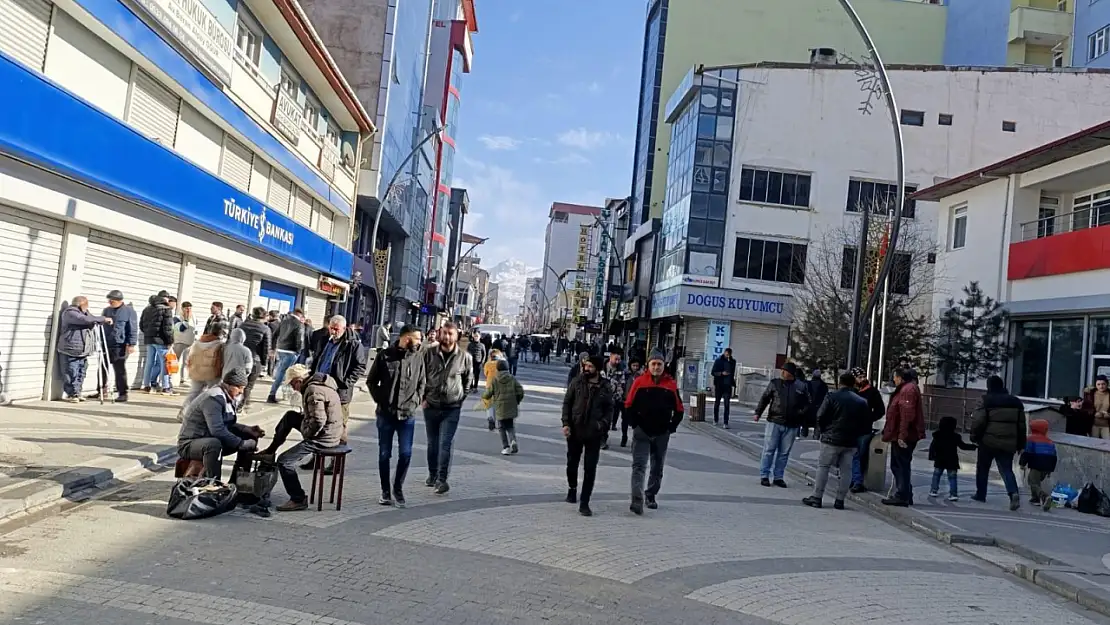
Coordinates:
x,y
680,35
382,45
1032,230
772,164
568,245
534,307
210,152
1015,32
450,56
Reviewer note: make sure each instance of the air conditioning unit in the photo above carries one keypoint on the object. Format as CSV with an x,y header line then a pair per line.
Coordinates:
x,y
822,56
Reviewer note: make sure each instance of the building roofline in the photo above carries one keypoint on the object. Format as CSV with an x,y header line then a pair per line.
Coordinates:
x,y
1084,141
302,27
574,209
912,67
470,15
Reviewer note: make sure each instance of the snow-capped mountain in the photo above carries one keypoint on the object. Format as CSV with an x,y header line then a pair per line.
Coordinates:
x,y
510,276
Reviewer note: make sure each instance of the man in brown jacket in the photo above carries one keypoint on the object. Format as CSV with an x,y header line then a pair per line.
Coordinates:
x,y
905,427
320,423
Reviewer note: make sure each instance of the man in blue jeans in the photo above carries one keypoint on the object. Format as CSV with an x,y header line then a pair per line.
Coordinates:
x,y
396,382
789,401
288,344
447,371
156,324
877,409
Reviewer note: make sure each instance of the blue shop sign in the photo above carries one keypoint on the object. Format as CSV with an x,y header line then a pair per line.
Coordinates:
x,y
99,150
726,304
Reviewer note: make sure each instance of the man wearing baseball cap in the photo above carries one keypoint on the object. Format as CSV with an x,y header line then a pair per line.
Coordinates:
x,y
121,337
788,399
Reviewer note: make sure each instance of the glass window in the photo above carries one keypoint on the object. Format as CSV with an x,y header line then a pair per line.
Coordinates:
x,y
785,257
798,264
696,233
699,205
248,39
718,207
755,260
774,187
770,258
759,188
703,177
707,126
1065,359
747,180
728,102
704,154
913,118
848,268
708,100
720,180
900,273
312,116
714,233
1030,362
773,261
724,128
1046,216
959,228
740,260
879,197
290,81
1100,337
721,154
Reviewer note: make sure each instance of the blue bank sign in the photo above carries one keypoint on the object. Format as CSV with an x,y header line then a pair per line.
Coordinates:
x,y
690,301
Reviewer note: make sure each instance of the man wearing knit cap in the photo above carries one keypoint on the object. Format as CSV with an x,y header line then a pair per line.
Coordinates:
x,y
654,409
788,399
587,408
576,369
209,429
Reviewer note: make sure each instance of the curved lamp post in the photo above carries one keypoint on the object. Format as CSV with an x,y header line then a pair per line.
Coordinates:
x,y
860,311
566,296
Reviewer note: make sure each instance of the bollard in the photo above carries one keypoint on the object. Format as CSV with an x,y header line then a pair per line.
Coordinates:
x,y
874,477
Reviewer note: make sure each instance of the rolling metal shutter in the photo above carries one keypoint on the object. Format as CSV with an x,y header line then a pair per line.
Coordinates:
x,y
137,269
279,192
302,208
220,283
754,345
315,306
30,253
24,30
323,220
153,109
696,331
235,166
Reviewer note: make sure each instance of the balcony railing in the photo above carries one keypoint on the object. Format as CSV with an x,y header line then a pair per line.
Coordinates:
x,y
1082,219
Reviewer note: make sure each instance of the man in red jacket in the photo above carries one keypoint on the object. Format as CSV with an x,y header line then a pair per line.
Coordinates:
x,y
654,409
905,426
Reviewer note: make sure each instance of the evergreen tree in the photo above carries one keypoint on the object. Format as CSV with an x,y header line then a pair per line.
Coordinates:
x,y
972,342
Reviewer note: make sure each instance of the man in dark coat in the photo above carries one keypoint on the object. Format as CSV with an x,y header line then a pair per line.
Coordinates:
x,y
817,392
259,341
121,337
788,400
396,382
724,381
288,344
338,352
998,427
478,354
156,323
877,410
76,343
587,408
841,419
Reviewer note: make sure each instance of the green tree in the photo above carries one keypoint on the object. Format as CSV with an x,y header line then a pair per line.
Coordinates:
x,y
972,342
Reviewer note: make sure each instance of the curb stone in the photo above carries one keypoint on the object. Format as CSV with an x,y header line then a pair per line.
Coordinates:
x,y
1046,572
80,484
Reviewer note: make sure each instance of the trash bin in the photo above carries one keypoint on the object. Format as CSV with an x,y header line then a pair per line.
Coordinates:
x,y
697,407
874,478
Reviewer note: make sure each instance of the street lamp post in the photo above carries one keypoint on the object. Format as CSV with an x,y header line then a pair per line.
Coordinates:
x,y
566,297
453,277
381,204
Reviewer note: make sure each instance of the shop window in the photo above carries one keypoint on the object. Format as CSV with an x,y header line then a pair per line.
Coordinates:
x,y
1030,361
1065,358
1048,358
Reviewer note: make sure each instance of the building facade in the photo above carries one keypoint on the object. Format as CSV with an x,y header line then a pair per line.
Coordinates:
x,y
568,245
1032,229
757,210
681,35
1014,32
383,45
212,153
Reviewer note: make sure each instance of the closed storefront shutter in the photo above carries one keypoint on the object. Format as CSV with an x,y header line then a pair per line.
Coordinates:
x,y
219,283
24,27
137,269
235,167
696,331
315,308
323,220
153,109
260,180
30,252
279,192
302,208
755,345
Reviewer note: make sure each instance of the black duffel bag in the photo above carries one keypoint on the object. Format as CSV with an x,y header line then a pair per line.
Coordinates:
x,y
199,498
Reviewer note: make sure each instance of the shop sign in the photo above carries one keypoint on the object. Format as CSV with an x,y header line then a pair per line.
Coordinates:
x,y
700,280
724,304
716,339
198,30
332,287
257,222
288,116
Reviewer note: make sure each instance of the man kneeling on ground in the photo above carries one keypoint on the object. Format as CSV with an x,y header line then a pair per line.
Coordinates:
x,y
209,430
320,423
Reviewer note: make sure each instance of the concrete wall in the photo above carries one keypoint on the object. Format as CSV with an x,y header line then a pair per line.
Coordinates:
x,y
724,32
976,32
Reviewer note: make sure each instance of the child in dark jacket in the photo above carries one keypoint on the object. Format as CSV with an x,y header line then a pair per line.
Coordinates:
x,y
944,452
1039,457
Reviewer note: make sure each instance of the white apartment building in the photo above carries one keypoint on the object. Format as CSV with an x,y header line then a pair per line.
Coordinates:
x,y
1032,230
765,174
568,246
206,147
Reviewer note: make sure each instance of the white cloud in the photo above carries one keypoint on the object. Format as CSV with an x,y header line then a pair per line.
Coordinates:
x,y
571,158
499,142
513,211
582,139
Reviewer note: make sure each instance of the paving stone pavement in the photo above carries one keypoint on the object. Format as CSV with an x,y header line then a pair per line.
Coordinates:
x,y
502,547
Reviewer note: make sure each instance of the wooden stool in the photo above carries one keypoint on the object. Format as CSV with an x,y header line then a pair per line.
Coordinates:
x,y
188,468
339,452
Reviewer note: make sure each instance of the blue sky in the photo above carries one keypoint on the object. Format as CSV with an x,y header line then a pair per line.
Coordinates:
x,y
548,114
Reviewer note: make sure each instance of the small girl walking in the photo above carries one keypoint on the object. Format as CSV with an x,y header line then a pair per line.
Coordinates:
x,y
504,395
944,452
490,371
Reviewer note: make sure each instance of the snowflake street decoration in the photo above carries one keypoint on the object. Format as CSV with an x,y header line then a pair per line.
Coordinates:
x,y
867,77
